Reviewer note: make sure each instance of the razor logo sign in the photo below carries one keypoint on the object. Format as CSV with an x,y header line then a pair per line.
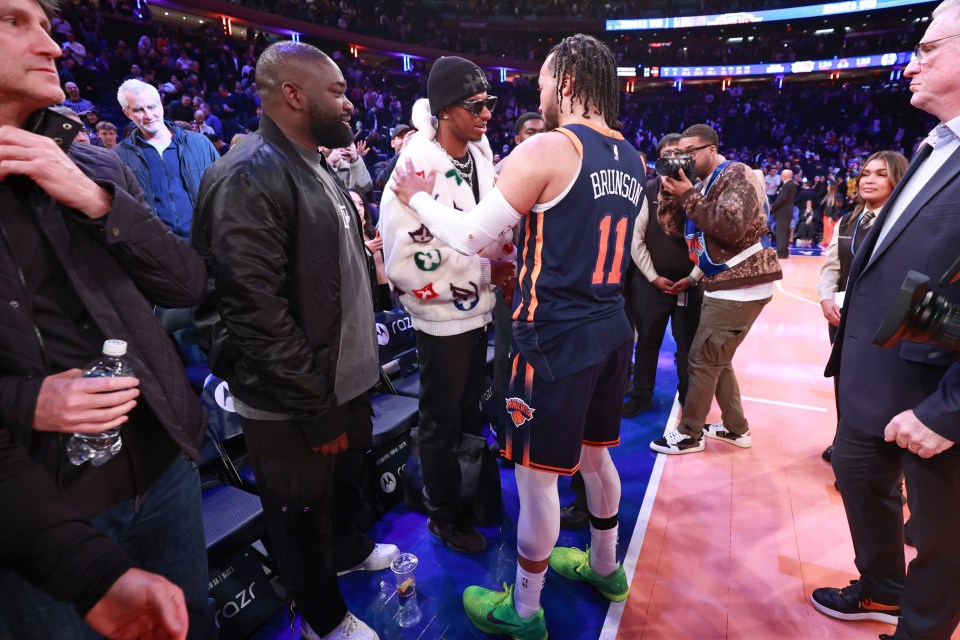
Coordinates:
x,y
232,608
383,335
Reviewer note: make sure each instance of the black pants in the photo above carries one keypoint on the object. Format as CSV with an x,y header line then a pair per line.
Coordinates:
x,y
350,545
868,470
297,491
783,233
452,370
652,309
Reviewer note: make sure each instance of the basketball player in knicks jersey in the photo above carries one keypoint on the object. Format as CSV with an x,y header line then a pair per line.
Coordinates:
x,y
573,340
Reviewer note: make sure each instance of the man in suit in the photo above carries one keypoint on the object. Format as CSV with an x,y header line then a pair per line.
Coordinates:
x,y
908,418
782,209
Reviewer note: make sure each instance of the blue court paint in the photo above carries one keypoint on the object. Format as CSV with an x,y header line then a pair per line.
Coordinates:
x,y
574,611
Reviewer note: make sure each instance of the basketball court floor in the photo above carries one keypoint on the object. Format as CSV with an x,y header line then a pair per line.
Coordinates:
x,y
724,544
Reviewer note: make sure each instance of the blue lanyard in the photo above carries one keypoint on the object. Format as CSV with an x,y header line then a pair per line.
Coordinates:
x,y
716,174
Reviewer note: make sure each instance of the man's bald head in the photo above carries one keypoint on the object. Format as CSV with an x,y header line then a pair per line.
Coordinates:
x,y
285,62
786,174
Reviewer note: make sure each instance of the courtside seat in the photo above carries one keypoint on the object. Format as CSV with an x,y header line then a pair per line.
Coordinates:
x,y
408,385
392,417
232,517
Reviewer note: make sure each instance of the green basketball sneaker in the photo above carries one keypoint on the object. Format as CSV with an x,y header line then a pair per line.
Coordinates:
x,y
493,612
574,564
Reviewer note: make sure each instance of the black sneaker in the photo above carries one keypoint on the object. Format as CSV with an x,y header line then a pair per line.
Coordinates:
x,y
827,454
573,518
636,406
463,538
675,442
850,603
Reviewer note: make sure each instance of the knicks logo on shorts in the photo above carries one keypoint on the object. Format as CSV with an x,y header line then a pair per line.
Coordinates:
x,y
519,411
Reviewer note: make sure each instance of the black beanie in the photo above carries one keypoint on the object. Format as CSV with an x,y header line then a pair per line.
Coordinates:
x,y
451,80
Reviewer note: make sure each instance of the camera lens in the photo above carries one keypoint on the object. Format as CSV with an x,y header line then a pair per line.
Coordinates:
x,y
673,166
920,315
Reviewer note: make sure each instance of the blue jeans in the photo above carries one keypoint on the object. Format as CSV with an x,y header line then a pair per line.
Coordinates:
x,y
162,530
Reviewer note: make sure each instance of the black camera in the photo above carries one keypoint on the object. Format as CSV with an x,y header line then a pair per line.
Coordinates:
x,y
673,166
921,315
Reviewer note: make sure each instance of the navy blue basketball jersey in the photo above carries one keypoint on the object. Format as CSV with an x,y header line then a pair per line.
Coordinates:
x,y
574,253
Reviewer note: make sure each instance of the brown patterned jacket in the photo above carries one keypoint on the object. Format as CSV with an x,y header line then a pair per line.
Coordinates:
x,y
732,218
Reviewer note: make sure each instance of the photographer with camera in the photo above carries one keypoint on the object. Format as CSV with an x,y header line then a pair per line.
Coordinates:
x,y
910,419
723,219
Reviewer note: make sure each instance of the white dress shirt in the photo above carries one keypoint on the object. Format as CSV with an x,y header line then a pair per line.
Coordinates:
x,y
944,139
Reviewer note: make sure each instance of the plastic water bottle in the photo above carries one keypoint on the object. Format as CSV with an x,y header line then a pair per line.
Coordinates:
x,y
100,447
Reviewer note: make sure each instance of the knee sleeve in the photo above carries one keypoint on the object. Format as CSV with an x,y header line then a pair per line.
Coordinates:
x,y
539,525
601,480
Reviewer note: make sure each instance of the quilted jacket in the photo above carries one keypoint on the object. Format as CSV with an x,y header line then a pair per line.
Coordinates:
x,y
120,265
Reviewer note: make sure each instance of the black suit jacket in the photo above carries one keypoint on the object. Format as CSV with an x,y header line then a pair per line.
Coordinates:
x,y
783,204
876,384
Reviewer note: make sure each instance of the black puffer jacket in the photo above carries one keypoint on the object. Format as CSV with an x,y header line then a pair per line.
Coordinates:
x,y
271,318
120,265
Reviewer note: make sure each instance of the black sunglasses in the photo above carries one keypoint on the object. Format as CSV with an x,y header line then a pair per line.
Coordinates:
x,y
476,107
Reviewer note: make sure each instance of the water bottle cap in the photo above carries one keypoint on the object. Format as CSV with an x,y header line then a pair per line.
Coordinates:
x,y
114,348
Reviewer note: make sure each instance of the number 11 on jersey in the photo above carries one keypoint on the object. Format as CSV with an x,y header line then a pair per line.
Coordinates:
x,y
618,240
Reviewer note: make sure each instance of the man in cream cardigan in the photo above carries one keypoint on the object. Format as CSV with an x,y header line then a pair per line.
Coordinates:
x,y
449,296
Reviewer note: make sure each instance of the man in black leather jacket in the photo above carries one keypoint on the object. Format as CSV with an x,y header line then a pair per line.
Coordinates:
x,y
287,318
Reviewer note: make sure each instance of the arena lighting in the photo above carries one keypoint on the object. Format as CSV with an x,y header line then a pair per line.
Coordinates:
x,y
407,64
770,15
787,68
503,74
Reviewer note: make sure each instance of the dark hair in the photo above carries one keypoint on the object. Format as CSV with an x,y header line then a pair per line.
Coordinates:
x,y
896,166
369,231
50,8
593,74
524,119
670,138
703,131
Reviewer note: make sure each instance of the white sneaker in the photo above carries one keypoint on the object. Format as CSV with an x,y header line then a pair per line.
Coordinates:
x,y
674,443
350,628
380,558
719,432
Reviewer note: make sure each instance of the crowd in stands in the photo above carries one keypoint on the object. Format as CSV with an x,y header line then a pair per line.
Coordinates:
x,y
206,83
422,22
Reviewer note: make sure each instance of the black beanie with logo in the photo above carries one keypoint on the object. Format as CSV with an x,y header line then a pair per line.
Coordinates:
x,y
453,79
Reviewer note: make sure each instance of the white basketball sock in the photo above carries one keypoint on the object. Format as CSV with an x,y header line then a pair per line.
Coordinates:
x,y
603,550
526,592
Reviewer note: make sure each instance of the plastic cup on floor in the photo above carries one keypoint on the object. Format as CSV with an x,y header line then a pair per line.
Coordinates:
x,y
404,568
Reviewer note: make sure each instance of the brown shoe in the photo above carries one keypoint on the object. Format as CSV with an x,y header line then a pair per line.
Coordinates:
x,y
463,538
